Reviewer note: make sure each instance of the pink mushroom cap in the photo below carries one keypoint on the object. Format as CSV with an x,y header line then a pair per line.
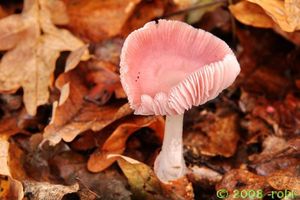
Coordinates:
x,y
169,66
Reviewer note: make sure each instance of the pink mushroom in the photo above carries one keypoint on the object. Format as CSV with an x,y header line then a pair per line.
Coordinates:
x,y
168,67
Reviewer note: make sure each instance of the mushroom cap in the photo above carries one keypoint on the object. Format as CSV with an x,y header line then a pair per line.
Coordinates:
x,y
169,66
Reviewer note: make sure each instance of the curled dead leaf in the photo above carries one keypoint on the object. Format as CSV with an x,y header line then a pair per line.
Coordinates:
x,y
251,14
73,114
116,143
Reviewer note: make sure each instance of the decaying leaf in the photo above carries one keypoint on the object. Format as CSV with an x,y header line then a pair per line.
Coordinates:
x,y
47,191
74,114
116,143
277,154
241,179
286,179
109,185
9,187
262,13
4,145
98,20
220,138
145,185
9,127
34,44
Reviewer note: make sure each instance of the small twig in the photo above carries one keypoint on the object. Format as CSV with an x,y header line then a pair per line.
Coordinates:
x,y
195,7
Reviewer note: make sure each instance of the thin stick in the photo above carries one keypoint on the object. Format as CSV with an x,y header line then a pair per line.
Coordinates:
x,y
195,7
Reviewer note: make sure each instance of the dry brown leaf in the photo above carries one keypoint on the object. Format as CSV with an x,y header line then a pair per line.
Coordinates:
x,y
38,44
75,57
98,20
220,135
9,127
47,191
74,114
58,12
116,143
286,14
286,179
241,179
251,14
4,146
277,154
14,188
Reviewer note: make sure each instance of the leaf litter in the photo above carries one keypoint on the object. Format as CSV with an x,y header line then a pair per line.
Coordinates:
x,y
61,122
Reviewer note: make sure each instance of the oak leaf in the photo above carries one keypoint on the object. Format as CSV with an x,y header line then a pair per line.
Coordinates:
x,y
73,114
34,44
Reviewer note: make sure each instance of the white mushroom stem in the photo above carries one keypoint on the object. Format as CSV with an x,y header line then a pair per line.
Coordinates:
x,y
169,164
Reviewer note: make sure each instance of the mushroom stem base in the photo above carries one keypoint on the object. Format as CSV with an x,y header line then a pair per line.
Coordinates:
x,y
169,164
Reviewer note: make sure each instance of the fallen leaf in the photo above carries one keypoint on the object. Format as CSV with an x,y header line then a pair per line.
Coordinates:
x,y
285,14
9,127
203,176
251,14
184,3
277,154
286,179
145,185
74,114
4,145
47,191
98,20
76,56
143,13
108,185
9,187
58,12
241,179
116,143
34,44
217,135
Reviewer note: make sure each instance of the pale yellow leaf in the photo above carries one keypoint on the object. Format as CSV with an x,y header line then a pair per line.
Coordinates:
x,y
251,14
